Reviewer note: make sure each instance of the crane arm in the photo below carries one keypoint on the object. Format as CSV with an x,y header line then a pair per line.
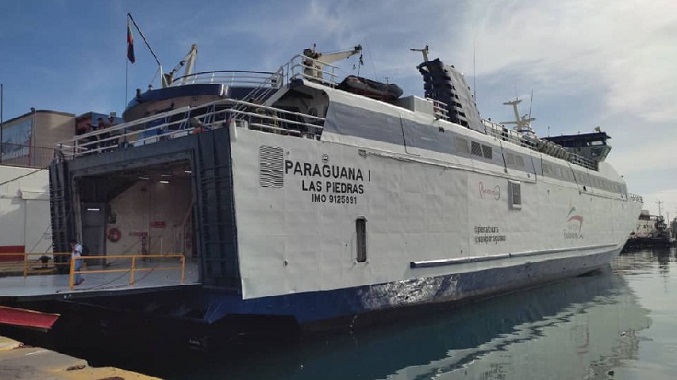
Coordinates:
x,y
333,57
188,61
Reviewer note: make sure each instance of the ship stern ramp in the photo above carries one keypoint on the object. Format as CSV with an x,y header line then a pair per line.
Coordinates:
x,y
139,207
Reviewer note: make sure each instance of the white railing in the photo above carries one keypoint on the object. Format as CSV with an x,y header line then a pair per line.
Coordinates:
x,y
533,142
231,78
250,113
440,109
635,198
191,120
301,66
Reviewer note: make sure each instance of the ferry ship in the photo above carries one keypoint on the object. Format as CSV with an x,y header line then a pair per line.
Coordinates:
x,y
301,196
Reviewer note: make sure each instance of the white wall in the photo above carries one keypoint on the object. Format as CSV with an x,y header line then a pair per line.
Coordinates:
x,y
138,211
24,209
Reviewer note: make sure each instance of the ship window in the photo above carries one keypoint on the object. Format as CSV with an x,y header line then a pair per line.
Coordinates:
x,y
461,145
520,161
509,159
361,230
487,152
475,148
514,195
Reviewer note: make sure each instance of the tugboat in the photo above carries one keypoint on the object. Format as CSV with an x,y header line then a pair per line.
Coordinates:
x,y
651,231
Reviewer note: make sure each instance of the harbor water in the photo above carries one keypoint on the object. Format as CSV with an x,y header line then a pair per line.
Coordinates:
x,y
618,323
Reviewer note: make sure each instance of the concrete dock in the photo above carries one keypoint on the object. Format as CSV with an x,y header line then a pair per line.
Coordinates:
x,y
18,361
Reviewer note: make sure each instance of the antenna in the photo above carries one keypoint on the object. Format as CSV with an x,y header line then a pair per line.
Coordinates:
x,y
522,123
474,76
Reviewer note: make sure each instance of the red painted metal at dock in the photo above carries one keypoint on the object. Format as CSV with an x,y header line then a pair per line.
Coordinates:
x,y
27,318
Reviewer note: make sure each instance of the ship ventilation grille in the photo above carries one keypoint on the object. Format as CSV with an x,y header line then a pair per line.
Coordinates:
x,y
475,148
271,166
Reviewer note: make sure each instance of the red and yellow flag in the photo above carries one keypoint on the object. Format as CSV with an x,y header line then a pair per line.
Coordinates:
x,y
130,44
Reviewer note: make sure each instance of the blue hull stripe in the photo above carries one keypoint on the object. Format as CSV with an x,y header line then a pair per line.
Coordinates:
x,y
313,307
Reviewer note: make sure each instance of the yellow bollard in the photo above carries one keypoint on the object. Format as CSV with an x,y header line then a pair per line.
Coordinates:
x,y
71,281
131,275
25,264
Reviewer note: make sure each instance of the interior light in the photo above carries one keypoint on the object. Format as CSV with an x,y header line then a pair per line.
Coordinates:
x,y
93,209
163,181
143,178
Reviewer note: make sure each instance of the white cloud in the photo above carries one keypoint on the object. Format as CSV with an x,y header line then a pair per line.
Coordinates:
x,y
626,47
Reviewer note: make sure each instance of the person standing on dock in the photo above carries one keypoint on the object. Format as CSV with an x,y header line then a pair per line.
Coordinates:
x,y
76,255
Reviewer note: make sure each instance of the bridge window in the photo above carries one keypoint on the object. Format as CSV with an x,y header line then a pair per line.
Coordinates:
x,y
361,230
509,159
514,195
461,145
547,170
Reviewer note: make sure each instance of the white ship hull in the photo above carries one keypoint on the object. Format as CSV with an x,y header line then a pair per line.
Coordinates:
x,y
437,230
324,205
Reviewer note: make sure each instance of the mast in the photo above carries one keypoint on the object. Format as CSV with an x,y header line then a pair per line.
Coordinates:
x,y
522,123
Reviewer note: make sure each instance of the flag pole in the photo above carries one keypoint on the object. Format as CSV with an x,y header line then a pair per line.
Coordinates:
x,y
144,39
126,81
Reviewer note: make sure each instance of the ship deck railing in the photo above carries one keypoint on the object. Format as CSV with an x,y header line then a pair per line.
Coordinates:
x,y
253,114
191,120
238,78
635,198
21,275
314,70
26,264
532,142
303,67
129,265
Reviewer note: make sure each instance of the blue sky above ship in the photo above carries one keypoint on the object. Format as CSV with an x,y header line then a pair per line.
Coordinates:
x,y
589,63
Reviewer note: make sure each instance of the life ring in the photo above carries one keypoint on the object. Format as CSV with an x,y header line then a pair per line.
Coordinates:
x,y
114,235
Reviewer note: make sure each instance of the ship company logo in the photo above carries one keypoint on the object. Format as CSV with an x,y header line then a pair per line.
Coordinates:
x,y
574,224
490,192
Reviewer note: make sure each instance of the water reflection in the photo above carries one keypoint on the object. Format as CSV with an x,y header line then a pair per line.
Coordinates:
x,y
578,328
589,327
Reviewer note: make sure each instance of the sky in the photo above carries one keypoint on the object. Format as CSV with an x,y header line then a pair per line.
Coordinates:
x,y
588,63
